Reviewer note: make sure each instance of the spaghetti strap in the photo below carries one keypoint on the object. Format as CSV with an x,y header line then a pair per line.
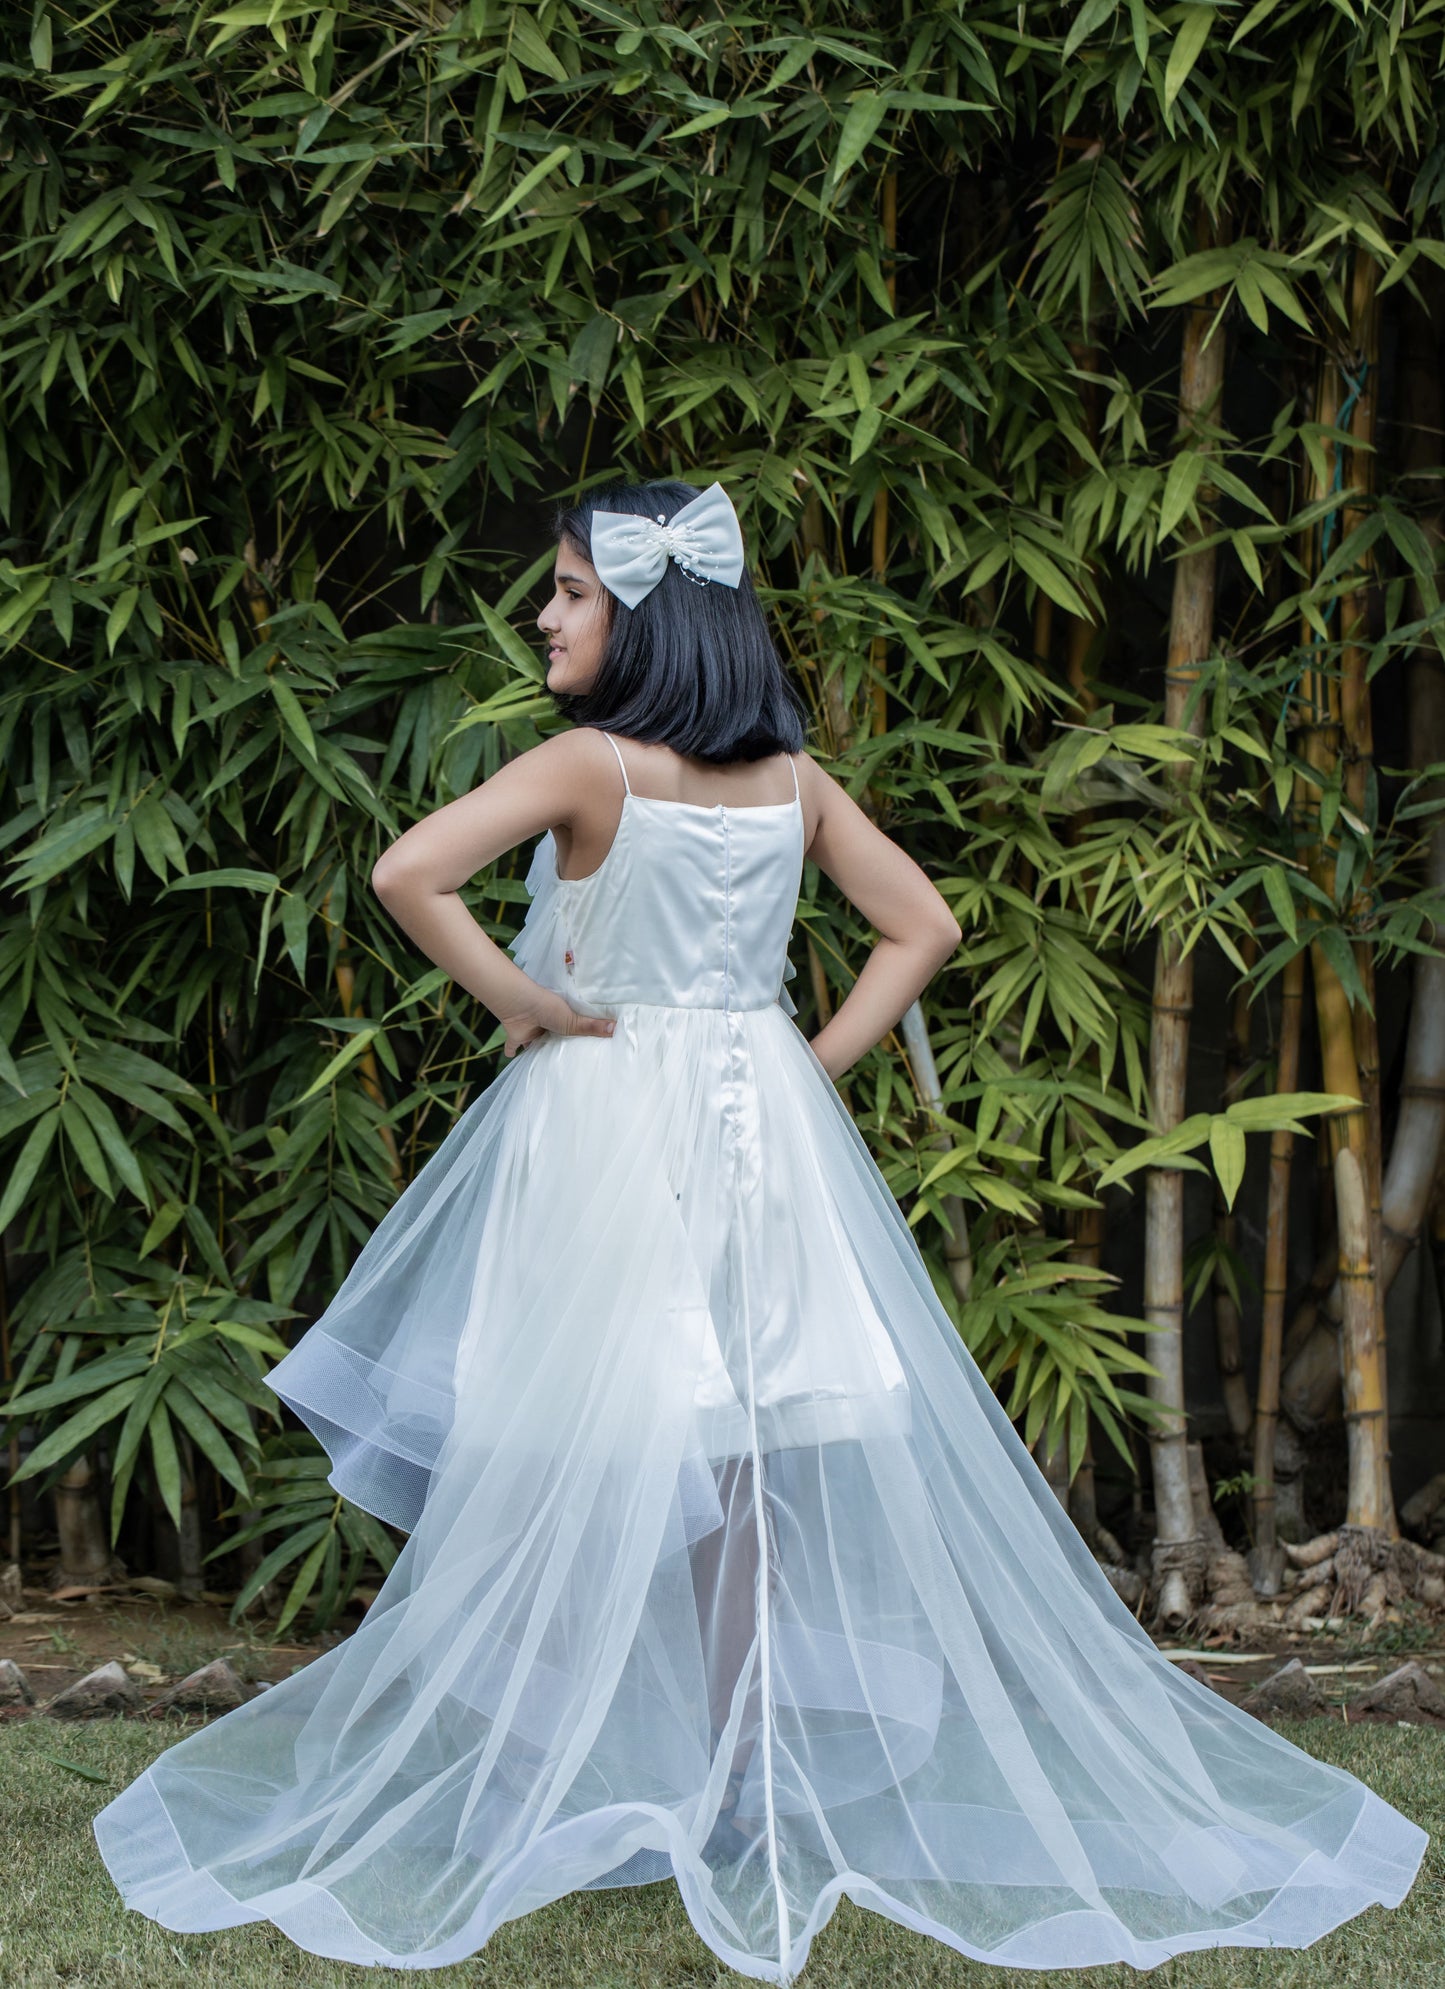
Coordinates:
x,y
622,763
792,764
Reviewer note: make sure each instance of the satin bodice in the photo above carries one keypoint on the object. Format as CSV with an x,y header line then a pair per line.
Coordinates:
x,y
692,907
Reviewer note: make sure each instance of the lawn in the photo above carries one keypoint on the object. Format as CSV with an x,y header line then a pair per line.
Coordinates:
x,y
61,1920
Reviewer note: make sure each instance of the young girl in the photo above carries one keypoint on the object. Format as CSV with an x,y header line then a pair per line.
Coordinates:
x,y
725,1564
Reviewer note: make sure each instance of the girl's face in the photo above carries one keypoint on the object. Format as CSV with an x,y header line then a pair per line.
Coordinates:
x,y
574,622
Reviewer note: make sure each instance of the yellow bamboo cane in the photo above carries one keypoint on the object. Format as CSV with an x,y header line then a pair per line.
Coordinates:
x,y
1227,1339
1179,1555
1347,1132
1357,745
1276,1275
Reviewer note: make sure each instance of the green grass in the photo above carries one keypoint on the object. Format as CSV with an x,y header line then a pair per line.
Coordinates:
x,y
180,1646
62,1921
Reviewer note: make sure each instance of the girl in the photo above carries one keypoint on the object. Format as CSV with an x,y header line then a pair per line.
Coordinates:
x,y
693,683
725,1564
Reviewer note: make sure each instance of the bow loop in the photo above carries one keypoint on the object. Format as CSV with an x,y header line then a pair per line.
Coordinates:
x,y
704,538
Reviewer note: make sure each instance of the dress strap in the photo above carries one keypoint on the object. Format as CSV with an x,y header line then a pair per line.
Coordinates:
x,y
622,763
793,766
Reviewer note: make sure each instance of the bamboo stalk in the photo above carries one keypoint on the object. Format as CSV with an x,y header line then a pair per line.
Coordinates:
x,y
1348,1133
1362,1352
1227,1339
81,1529
1312,1379
1179,1551
1276,1269
1357,746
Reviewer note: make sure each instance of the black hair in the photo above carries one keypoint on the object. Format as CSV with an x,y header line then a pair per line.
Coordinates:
x,y
692,665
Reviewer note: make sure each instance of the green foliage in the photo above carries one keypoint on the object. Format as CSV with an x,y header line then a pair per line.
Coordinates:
x,y
290,1496
310,312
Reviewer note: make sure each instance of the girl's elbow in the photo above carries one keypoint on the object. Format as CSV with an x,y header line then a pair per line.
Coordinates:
x,y
387,874
949,931
949,934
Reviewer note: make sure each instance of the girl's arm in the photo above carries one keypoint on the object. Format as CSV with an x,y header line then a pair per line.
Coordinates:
x,y
419,876
918,932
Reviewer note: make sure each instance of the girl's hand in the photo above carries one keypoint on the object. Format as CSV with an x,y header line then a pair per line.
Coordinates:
x,y
549,1014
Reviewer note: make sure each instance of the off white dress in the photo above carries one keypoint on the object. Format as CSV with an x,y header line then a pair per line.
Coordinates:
x,y
643,1280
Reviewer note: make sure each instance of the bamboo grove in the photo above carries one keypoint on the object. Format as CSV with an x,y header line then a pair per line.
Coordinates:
x,y
1041,349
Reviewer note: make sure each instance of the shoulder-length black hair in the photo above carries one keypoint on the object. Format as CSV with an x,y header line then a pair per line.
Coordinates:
x,y
693,666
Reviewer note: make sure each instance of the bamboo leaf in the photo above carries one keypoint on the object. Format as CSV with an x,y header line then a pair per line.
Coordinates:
x,y
305,1580
348,1054
166,1461
27,1166
1194,25
294,718
92,1379
118,620
161,1224
1281,899
865,115
290,1549
188,1412
1227,1149
1046,575
78,1431
74,1767
1248,555
260,1337
295,928
253,880
529,180
1090,16
1285,1109
1180,486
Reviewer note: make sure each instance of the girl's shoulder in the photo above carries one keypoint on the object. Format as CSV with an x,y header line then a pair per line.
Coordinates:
x,y
571,753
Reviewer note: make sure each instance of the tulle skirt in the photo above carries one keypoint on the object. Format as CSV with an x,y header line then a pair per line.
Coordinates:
x,y
725,1566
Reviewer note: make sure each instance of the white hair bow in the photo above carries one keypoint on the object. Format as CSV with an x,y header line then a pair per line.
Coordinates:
x,y
704,537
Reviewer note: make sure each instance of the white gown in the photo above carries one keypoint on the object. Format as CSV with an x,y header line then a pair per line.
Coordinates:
x,y
643,1278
